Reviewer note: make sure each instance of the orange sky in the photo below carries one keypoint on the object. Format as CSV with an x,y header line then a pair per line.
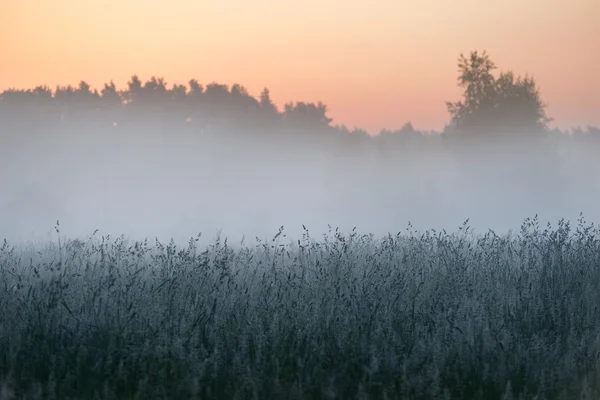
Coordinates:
x,y
376,64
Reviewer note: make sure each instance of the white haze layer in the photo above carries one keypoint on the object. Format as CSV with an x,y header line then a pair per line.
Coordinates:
x,y
151,184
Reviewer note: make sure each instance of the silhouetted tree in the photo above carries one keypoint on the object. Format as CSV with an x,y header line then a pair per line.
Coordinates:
x,y
65,98
110,104
261,114
518,102
86,98
43,95
243,103
155,93
306,115
266,104
134,88
44,104
110,96
491,104
195,100
177,104
196,89
178,93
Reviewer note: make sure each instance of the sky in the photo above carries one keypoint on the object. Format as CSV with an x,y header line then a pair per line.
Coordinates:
x,y
376,64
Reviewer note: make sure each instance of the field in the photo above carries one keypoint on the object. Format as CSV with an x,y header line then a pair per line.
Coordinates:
x,y
413,315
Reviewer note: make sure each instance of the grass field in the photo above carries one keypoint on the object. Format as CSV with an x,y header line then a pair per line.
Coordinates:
x,y
346,316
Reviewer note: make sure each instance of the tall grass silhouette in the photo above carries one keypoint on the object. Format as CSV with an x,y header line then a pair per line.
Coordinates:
x,y
416,315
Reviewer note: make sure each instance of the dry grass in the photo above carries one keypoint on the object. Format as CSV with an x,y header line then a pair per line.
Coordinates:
x,y
410,316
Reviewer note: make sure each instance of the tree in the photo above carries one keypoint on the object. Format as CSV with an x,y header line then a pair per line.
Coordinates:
x,y
196,89
134,89
490,104
267,104
110,103
217,99
85,97
519,102
306,115
156,93
110,98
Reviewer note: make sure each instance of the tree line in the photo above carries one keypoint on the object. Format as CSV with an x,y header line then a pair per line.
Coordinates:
x,y
490,105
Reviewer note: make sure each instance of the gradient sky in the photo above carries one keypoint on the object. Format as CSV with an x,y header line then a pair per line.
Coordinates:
x,y
376,64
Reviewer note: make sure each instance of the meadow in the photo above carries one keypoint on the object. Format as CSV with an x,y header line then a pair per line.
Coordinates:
x,y
412,315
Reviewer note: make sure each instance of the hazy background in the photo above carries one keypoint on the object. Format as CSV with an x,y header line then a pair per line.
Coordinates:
x,y
142,156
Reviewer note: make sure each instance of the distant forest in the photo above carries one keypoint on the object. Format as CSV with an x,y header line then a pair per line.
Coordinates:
x,y
491,106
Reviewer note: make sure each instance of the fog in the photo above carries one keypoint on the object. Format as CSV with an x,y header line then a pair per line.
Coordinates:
x,y
154,183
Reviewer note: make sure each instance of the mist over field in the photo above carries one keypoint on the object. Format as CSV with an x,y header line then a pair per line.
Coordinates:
x,y
145,183
153,161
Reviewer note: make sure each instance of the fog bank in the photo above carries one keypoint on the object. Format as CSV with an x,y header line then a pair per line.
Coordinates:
x,y
151,183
